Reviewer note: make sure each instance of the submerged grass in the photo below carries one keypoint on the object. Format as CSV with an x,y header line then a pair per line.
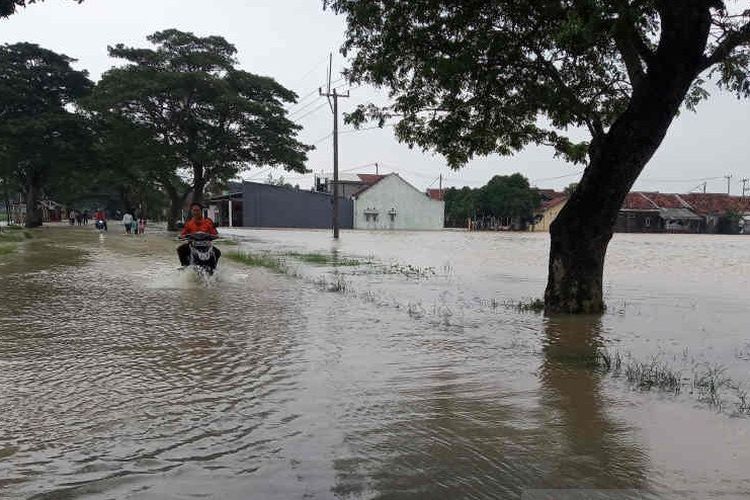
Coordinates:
x,y
14,234
530,305
10,237
322,259
7,249
709,385
258,260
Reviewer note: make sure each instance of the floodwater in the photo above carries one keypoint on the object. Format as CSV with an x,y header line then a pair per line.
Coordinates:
x,y
408,373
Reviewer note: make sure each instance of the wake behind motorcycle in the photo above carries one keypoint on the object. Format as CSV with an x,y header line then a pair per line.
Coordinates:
x,y
203,256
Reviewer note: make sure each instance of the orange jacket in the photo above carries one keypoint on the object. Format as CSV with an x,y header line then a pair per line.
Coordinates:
x,y
205,225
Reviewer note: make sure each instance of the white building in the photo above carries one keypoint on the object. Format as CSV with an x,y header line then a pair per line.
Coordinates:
x,y
393,203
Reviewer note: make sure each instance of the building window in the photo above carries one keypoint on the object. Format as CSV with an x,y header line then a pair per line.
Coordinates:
x,y
392,214
371,215
647,222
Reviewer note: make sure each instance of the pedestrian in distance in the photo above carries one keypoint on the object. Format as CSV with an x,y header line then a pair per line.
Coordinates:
x,y
127,221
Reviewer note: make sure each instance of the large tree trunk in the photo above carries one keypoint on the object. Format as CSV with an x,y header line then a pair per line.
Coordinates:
x,y
175,205
583,229
33,213
199,183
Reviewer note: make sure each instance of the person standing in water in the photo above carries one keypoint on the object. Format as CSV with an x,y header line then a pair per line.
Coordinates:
x,y
127,221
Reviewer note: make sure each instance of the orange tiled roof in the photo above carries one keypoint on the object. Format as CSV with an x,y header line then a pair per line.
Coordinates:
x,y
369,179
436,194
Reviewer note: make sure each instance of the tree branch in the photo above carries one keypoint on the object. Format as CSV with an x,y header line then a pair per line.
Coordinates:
x,y
593,122
725,48
630,56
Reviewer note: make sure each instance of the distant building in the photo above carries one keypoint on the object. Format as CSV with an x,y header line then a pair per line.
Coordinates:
x,y
653,212
643,212
392,203
269,206
722,213
552,203
349,184
378,202
436,194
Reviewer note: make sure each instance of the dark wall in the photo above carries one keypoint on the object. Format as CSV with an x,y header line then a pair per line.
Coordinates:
x,y
264,205
638,222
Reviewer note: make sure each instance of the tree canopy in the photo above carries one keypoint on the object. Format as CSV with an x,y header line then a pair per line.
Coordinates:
x,y
503,196
40,137
472,78
216,119
9,7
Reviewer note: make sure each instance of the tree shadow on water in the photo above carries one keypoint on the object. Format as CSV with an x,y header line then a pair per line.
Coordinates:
x,y
594,450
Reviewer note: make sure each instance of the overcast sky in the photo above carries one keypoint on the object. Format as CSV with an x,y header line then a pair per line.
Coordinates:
x,y
290,40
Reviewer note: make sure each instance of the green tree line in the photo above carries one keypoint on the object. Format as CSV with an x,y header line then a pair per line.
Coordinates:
x,y
174,121
504,196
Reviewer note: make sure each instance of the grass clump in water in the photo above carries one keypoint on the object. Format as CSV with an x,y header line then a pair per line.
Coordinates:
x,y
531,305
14,234
322,259
337,285
10,237
646,375
258,260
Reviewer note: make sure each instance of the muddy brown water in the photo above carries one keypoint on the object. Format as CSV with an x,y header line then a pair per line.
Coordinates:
x,y
408,375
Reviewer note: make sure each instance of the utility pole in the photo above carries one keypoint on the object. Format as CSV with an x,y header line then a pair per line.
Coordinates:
x,y
440,184
704,187
744,185
728,177
376,168
335,109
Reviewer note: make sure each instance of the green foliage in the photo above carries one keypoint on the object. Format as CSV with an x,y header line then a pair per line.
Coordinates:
x,y
508,196
41,141
9,7
502,196
323,259
474,78
258,260
214,119
460,205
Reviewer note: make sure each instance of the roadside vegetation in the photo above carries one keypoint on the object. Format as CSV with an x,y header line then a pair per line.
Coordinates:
x,y
10,237
323,259
258,260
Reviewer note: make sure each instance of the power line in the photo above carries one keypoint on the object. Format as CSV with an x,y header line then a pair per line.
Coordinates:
x,y
311,112
299,102
556,178
302,108
350,131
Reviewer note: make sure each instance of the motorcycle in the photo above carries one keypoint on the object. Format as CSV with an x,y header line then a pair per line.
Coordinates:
x,y
101,225
202,252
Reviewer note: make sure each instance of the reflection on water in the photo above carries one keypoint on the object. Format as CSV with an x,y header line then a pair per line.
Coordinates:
x,y
595,451
125,378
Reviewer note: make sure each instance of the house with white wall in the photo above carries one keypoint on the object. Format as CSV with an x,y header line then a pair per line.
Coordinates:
x,y
391,203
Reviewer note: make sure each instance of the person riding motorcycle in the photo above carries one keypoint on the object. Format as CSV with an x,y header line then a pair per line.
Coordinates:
x,y
196,224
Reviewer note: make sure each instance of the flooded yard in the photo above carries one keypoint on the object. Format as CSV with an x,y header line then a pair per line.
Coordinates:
x,y
384,365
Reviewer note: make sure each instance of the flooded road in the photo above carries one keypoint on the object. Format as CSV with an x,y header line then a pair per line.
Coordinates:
x,y
396,366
